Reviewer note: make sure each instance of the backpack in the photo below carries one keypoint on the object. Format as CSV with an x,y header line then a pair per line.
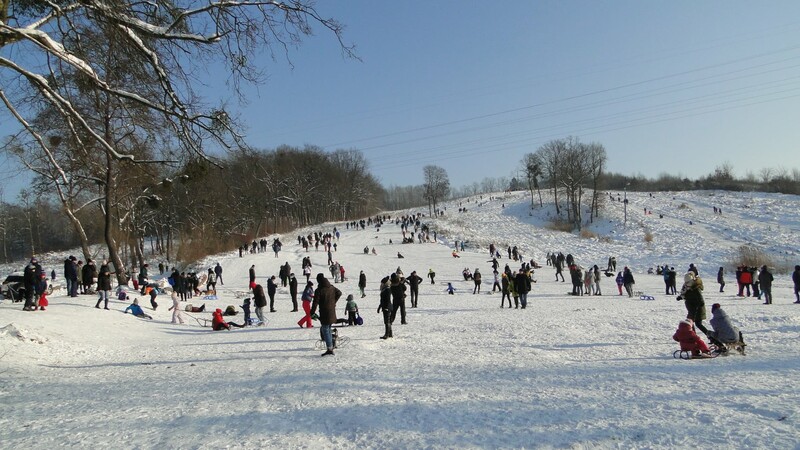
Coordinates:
x,y
230,311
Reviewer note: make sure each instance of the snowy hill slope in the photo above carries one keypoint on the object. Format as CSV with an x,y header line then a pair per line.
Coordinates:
x,y
592,371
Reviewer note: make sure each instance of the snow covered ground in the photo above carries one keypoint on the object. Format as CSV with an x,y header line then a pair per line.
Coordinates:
x,y
568,372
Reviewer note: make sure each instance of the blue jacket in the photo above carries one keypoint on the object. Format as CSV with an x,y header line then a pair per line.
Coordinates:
x,y
135,309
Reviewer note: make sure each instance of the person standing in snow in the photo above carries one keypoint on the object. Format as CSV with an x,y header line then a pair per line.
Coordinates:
x,y
476,278
307,298
504,289
522,285
765,278
211,281
796,281
252,273
496,284
293,291
325,298
218,273
260,301
103,284
30,279
272,288
596,275
398,290
692,295
721,279
385,306
432,275
176,309
413,281
362,283
351,308
628,281
88,273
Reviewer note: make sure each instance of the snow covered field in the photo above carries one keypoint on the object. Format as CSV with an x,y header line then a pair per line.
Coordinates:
x,y
568,372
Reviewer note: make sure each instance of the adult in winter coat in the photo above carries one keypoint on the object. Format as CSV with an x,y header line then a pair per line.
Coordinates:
x,y
620,280
796,281
432,275
413,281
307,298
362,283
88,273
103,284
252,273
721,279
293,291
398,289
596,280
385,306
765,279
272,288
628,281
476,278
30,279
218,273
260,301
692,295
724,331
211,281
522,285
325,298
504,284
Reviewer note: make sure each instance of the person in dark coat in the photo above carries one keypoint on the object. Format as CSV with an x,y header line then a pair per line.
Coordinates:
x,y
765,279
218,273
413,281
30,279
362,283
724,330
796,281
293,291
385,306
252,274
522,285
721,279
88,273
325,297
103,285
398,288
260,301
692,295
628,281
272,288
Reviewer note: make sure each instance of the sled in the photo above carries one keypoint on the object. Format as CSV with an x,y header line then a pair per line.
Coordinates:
x,y
338,341
646,297
686,354
210,297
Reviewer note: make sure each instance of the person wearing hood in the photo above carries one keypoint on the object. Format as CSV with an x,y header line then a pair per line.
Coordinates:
x,y
692,295
765,280
260,301
690,341
724,331
218,323
325,297
476,278
30,279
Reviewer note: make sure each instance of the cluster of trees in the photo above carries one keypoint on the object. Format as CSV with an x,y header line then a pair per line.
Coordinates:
x,y
103,95
780,180
568,168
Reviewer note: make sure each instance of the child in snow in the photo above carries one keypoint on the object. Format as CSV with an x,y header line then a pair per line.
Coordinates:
x,y
246,308
176,309
351,308
450,289
689,340
620,281
136,310
218,323
43,301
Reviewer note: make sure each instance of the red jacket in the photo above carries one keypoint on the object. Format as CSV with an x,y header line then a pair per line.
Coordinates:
x,y
688,339
218,323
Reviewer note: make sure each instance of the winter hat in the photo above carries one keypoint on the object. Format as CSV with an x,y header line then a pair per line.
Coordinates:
x,y
136,301
714,307
393,277
320,277
350,297
689,277
218,311
34,261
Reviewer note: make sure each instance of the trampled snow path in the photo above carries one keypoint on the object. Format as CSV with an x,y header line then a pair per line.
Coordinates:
x,y
567,372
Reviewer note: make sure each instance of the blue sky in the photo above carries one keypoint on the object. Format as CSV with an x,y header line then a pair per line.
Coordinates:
x,y
675,87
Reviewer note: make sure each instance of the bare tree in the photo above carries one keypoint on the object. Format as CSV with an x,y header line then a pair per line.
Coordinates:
x,y
437,186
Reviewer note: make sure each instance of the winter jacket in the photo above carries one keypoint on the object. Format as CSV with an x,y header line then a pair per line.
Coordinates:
x,y
31,276
796,278
135,309
104,278
88,273
325,297
724,330
362,280
386,297
522,284
688,339
259,299
414,280
293,287
627,277
351,306
308,294
695,305
398,289
271,287
765,278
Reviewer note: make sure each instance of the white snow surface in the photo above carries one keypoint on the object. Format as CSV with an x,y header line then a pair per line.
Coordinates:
x,y
568,372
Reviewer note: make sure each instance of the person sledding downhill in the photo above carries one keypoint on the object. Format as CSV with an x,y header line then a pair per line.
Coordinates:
x,y
725,335
691,345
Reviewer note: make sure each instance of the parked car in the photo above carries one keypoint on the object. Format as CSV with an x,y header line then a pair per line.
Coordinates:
x,y
13,287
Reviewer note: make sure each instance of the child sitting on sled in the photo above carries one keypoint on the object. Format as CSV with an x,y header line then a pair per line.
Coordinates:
x,y
218,323
689,340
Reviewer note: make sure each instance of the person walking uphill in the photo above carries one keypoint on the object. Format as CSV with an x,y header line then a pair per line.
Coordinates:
x,y
628,281
325,298
413,281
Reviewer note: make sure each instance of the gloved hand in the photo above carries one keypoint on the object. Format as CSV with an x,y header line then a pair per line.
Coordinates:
x,y
314,316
